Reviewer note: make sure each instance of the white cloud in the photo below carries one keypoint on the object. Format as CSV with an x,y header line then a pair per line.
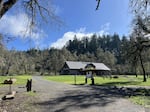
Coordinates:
x,y
69,36
79,34
105,27
18,26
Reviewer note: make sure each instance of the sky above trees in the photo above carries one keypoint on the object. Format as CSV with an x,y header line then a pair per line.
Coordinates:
x,y
79,18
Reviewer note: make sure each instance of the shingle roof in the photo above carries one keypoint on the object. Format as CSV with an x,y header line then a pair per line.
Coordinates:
x,y
81,65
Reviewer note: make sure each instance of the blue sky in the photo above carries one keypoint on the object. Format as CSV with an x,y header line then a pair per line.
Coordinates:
x,y
79,17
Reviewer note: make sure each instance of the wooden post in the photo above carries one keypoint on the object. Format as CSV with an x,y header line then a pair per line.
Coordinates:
x,y
92,79
30,87
85,80
75,79
10,88
10,83
27,85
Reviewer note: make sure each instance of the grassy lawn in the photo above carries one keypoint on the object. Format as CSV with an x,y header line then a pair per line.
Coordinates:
x,y
21,80
69,79
141,100
121,81
31,93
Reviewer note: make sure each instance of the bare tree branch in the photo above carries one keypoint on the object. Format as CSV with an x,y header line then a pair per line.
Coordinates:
x,y
35,10
98,3
5,6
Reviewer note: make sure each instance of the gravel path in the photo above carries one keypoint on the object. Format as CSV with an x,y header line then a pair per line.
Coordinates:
x,y
59,97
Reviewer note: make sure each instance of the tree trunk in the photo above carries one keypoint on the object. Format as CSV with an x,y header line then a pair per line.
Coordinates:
x,y
7,70
55,72
144,73
25,69
135,71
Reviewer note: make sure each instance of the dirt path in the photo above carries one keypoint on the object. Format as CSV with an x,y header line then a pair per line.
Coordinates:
x,y
59,97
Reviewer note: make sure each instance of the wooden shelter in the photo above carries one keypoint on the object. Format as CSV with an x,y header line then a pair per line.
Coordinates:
x,y
78,68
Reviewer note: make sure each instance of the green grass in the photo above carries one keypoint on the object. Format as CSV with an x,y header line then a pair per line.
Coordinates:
x,y
21,80
121,81
31,93
141,100
141,97
69,79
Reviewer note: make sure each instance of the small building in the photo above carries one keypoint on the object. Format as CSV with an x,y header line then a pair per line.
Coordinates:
x,y
78,68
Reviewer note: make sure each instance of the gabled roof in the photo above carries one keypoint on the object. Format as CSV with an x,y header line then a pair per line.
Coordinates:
x,y
81,65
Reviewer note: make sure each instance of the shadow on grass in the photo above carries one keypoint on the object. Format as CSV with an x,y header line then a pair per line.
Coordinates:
x,y
120,83
114,89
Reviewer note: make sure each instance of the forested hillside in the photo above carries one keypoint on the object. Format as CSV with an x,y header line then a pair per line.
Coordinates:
x,y
109,49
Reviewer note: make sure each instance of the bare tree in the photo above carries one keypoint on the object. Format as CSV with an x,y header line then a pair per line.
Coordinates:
x,y
141,10
139,44
136,51
141,28
140,6
37,11
5,5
